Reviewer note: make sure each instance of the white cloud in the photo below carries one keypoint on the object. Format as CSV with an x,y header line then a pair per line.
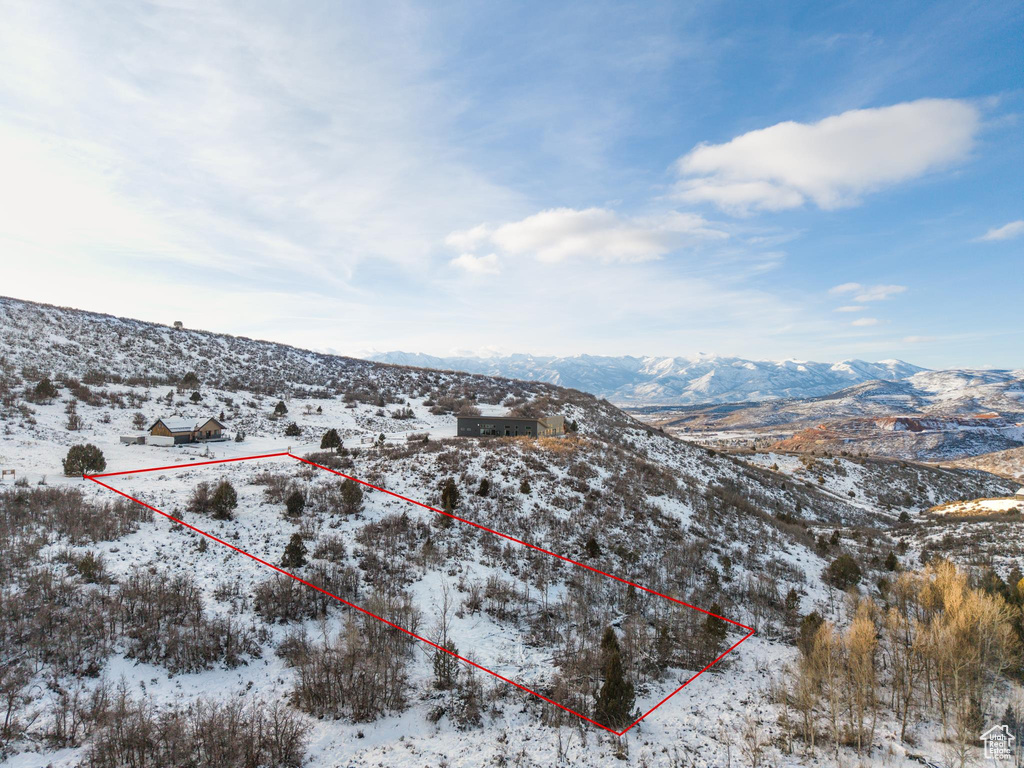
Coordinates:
x,y
739,196
850,308
1005,232
477,265
469,239
832,162
864,321
599,234
917,339
845,288
863,293
249,158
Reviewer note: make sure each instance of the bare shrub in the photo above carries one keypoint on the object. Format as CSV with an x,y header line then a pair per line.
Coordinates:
x,y
360,673
204,734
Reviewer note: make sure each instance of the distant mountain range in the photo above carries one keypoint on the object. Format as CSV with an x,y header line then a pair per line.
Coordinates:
x,y
932,415
695,380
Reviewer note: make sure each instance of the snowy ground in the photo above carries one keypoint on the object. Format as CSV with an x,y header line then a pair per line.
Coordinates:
x,y
699,726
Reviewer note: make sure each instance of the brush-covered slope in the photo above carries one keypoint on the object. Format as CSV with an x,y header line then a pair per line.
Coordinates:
x,y
123,623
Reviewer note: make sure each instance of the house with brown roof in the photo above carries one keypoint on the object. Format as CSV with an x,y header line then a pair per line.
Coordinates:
x,y
174,430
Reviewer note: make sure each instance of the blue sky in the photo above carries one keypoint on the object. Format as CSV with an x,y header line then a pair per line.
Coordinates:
x,y
819,181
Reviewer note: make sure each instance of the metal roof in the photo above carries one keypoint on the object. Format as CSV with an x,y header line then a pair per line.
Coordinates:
x,y
506,418
179,424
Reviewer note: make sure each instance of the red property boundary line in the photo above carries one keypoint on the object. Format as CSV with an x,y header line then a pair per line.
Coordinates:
x,y
727,651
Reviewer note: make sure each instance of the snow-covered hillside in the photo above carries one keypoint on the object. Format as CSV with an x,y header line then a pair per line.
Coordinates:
x,y
672,380
114,621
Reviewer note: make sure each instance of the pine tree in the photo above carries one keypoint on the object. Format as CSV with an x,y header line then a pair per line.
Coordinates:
x,y
842,573
485,487
616,698
293,430
196,397
446,666
294,553
351,497
224,500
524,487
331,439
82,459
715,630
44,391
295,503
809,626
188,381
280,409
592,547
449,496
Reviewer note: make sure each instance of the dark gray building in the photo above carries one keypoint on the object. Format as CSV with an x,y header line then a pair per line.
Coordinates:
x,y
510,426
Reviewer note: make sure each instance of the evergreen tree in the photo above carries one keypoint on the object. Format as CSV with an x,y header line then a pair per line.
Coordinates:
x,y
223,501
84,459
351,497
196,397
446,666
809,626
842,573
331,439
188,381
485,487
280,409
44,391
715,630
293,430
592,547
319,409
616,698
449,496
294,553
295,503
524,487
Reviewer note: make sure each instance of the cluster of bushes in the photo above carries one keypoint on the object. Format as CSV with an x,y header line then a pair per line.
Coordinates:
x,y
33,517
361,672
206,733
283,599
50,620
218,500
164,622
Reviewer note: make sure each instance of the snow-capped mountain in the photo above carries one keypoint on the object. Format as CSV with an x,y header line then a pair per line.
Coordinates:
x,y
932,415
673,380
